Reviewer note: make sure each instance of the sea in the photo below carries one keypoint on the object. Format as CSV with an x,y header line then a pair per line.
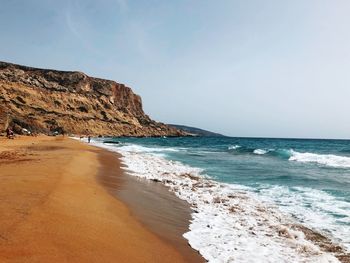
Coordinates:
x,y
252,198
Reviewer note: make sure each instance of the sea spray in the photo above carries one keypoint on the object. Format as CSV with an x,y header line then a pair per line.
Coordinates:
x,y
330,160
229,223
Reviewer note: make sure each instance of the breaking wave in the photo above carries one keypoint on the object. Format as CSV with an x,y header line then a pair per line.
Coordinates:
x,y
315,208
260,151
329,160
229,222
237,149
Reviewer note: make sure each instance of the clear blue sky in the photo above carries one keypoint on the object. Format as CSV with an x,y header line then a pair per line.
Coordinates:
x,y
241,67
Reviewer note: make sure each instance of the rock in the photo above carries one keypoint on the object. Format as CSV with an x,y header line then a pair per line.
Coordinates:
x,y
17,129
4,120
43,100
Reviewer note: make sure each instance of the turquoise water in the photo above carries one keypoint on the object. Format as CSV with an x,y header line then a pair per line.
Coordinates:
x,y
232,160
308,180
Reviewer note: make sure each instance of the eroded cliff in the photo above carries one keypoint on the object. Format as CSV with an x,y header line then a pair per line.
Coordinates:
x,y
43,100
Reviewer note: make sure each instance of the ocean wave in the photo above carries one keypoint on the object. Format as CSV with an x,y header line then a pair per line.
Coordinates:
x,y
229,222
330,160
260,151
142,149
234,147
238,149
345,150
315,208
281,153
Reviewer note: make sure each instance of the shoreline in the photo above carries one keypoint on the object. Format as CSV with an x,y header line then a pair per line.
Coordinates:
x,y
55,210
176,177
66,188
152,204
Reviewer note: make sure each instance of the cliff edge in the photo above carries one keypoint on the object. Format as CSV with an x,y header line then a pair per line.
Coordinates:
x,y
44,100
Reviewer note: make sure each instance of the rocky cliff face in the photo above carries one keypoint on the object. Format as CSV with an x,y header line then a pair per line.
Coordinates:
x,y
48,100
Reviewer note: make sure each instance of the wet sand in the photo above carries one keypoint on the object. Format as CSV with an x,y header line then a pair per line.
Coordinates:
x,y
64,201
168,217
54,210
151,203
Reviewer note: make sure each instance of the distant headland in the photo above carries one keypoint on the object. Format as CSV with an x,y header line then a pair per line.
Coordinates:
x,y
196,131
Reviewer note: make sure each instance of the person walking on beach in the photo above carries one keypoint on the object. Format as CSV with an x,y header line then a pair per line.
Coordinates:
x,y
9,133
89,139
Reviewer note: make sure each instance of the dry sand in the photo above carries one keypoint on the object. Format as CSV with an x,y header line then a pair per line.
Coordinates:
x,y
53,209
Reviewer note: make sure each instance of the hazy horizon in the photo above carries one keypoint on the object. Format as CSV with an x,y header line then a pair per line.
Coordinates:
x,y
240,68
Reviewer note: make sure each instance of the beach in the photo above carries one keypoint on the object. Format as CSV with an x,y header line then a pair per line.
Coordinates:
x,y
63,200
57,206
252,199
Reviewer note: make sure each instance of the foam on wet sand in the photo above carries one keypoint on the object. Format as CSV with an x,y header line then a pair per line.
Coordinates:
x,y
230,223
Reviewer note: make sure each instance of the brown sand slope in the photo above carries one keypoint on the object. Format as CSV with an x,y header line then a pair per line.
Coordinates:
x,y
53,210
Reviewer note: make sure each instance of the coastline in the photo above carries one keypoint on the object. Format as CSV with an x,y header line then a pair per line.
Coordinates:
x,y
73,202
151,203
55,210
281,233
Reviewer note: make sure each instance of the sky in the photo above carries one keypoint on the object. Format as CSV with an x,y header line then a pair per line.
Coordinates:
x,y
246,68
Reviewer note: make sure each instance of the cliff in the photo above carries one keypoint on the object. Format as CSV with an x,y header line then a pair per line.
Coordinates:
x,y
43,100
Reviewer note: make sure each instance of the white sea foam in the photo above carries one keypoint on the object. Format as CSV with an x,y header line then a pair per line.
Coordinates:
x,y
229,223
260,151
314,208
140,149
234,147
323,159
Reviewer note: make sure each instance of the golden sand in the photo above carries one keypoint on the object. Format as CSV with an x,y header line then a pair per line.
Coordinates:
x,y
53,209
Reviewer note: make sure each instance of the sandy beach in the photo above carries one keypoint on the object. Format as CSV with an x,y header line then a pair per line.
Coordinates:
x,y
55,208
